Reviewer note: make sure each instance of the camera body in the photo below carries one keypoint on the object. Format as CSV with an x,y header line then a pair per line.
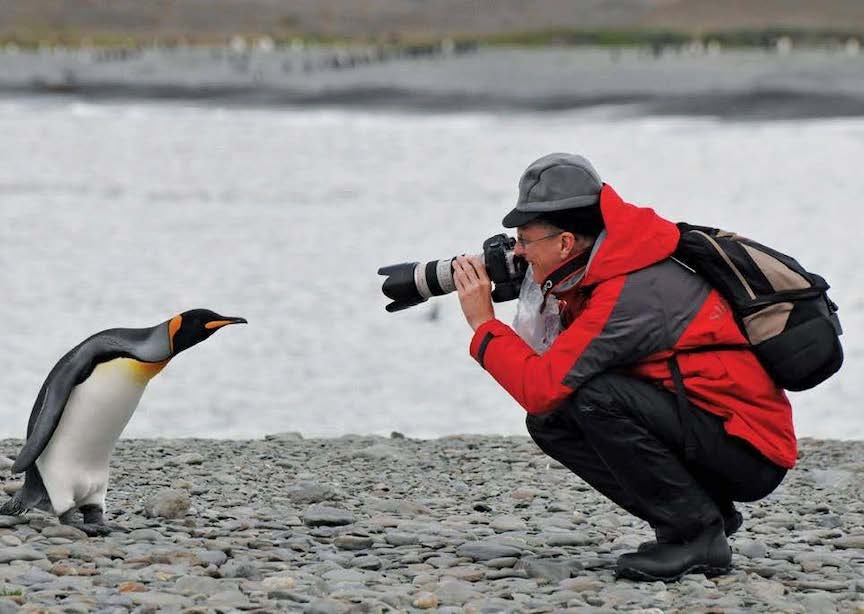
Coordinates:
x,y
412,283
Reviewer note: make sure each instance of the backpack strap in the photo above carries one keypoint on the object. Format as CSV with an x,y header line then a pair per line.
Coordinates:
x,y
683,409
680,394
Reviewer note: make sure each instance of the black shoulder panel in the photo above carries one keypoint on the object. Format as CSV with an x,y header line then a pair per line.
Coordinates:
x,y
654,308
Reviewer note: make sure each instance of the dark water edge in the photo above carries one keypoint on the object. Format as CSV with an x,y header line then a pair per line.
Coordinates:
x,y
745,85
745,106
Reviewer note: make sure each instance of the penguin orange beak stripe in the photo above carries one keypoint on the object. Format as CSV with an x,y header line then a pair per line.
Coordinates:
x,y
173,327
221,323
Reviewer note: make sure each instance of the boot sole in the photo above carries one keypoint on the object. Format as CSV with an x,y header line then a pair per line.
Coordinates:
x,y
640,576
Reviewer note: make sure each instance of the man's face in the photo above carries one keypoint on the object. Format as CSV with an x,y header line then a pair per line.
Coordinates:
x,y
543,247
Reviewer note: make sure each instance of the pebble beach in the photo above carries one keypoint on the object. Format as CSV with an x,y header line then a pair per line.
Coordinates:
x,y
377,524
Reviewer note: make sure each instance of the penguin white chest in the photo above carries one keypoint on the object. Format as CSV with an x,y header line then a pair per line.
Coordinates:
x,y
74,463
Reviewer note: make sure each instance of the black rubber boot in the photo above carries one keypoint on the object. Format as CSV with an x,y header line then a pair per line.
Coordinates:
x,y
707,553
731,525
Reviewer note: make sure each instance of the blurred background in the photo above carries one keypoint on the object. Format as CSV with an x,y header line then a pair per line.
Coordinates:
x,y
263,158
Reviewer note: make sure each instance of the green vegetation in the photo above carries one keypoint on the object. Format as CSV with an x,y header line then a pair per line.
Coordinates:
x,y
46,37
35,39
769,36
6,592
766,37
602,38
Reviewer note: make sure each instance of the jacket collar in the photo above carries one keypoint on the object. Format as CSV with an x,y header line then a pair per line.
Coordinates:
x,y
566,276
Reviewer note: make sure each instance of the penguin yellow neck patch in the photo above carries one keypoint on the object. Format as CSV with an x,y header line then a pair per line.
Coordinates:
x,y
145,371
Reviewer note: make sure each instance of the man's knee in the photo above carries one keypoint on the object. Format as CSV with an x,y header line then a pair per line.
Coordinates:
x,y
603,396
553,431
532,423
598,394
541,427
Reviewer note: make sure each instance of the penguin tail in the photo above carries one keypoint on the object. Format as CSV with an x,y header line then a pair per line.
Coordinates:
x,y
14,506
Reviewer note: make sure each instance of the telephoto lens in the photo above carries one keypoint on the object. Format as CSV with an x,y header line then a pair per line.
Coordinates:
x,y
412,283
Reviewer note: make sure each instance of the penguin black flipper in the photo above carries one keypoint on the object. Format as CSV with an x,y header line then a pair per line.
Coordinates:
x,y
145,344
48,407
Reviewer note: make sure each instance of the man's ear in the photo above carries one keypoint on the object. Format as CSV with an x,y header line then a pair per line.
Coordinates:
x,y
568,243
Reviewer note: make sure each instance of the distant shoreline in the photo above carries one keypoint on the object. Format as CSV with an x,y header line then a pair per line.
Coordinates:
x,y
739,84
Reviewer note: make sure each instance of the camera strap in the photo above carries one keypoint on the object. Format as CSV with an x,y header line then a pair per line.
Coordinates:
x,y
566,276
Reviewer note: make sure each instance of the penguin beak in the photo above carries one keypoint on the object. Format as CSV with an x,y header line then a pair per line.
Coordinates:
x,y
216,324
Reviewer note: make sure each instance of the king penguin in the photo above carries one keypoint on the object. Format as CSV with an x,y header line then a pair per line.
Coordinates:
x,y
84,405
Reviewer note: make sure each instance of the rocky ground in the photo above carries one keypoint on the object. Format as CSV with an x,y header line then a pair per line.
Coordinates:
x,y
459,524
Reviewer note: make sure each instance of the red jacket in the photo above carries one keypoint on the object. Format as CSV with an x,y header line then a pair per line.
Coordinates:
x,y
630,309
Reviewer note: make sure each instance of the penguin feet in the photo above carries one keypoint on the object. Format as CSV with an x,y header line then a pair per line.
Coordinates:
x,y
94,524
115,528
97,529
92,529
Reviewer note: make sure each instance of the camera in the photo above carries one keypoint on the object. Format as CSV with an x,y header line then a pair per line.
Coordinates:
x,y
412,283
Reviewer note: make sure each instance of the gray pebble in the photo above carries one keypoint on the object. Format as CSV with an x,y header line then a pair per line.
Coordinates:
x,y
833,478
751,548
508,523
160,600
321,515
455,592
497,574
819,603
345,575
224,478
501,562
280,594
11,521
231,598
65,531
189,458
10,488
20,553
147,535
554,570
304,492
34,576
211,557
198,585
327,606
287,436
485,550
353,542
568,538
398,538
849,541
367,562
378,452
239,568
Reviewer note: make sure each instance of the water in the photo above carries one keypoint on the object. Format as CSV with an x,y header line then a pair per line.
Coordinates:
x,y
124,213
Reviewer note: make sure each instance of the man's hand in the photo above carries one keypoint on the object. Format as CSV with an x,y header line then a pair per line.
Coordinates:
x,y
475,290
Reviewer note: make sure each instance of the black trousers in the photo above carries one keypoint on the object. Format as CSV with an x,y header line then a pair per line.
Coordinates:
x,y
680,473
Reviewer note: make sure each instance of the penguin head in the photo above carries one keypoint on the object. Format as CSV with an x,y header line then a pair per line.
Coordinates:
x,y
194,326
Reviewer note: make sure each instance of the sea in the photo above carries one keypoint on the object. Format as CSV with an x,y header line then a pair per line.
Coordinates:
x,y
123,210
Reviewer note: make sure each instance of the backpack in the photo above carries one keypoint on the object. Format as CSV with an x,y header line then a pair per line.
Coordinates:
x,y
782,309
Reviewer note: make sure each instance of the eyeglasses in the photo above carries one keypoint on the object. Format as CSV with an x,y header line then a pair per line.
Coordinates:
x,y
524,243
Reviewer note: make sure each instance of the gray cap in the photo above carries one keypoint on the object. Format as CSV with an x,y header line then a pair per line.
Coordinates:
x,y
555,182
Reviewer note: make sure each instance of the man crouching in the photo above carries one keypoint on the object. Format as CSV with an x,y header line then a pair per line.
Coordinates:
x,y
601,398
